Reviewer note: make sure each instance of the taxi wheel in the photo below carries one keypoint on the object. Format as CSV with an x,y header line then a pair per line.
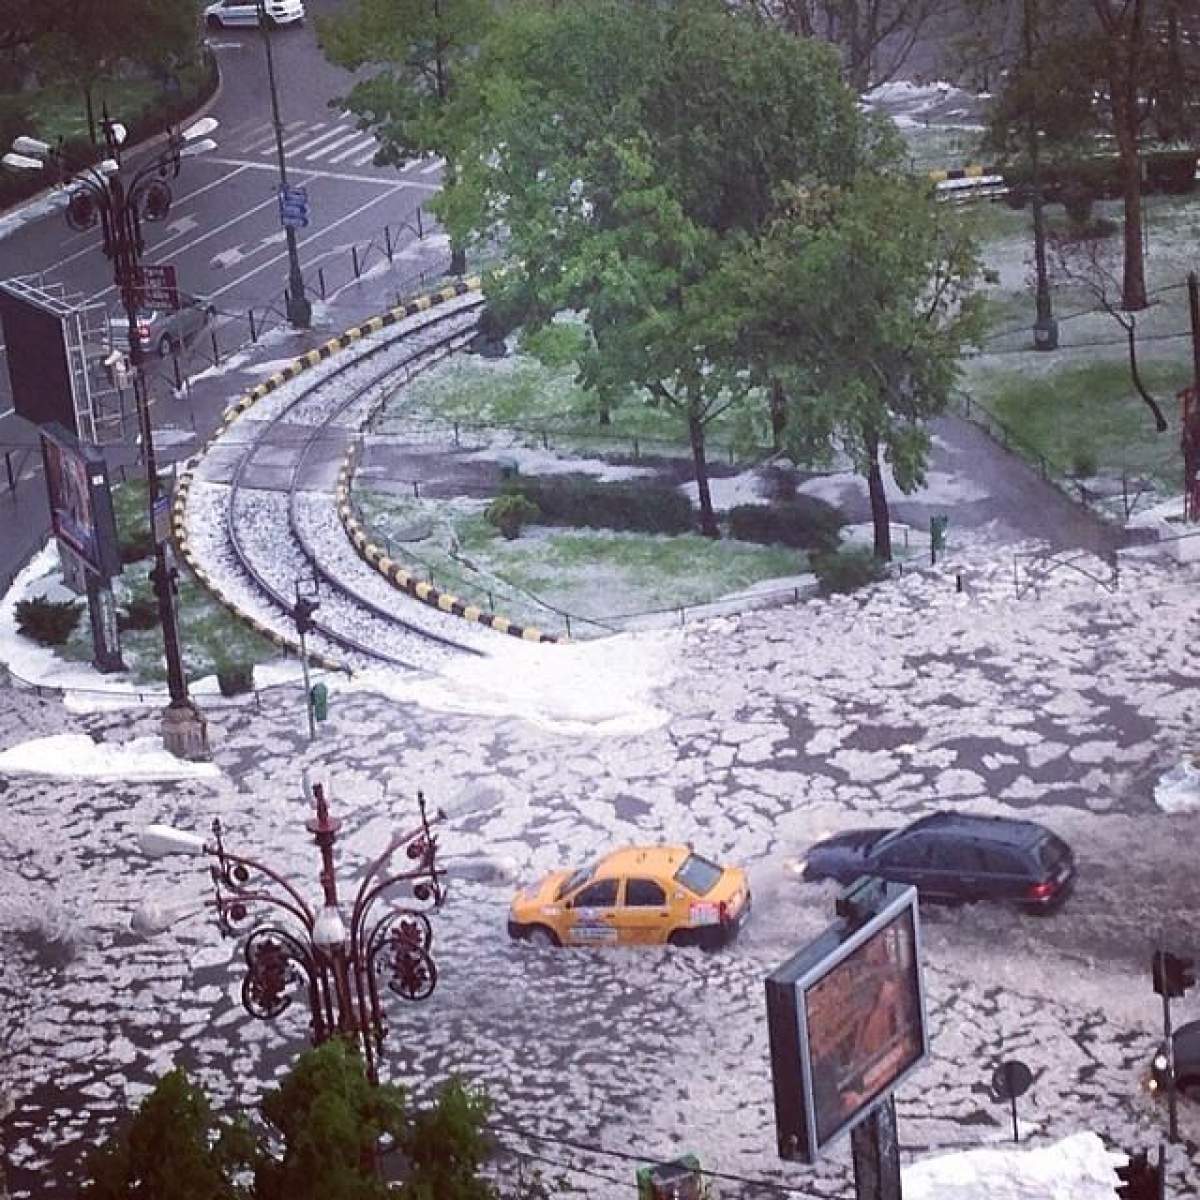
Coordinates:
x,y
541,938
681,937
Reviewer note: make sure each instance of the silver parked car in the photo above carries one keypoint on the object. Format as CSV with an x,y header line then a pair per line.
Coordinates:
x,y
163,332
227,13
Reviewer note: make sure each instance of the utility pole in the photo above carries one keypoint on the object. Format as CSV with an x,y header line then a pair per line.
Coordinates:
x,y
1045,328
1189,425
299,310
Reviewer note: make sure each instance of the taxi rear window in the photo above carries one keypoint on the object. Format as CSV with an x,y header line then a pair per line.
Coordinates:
x,y
698,875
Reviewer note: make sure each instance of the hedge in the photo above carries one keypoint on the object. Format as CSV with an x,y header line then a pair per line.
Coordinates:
x,y
804,523
580,501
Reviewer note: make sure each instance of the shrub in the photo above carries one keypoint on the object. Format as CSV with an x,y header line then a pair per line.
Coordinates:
x,y
140,612
577,500
48,622
804,523
508,512
136,543
1083,462
235,679
847,570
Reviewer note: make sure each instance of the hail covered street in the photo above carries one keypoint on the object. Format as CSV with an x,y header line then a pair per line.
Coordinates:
x,y
748,736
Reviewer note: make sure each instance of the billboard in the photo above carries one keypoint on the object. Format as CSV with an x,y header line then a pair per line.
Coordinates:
x,y
846,1018
35,338
81,511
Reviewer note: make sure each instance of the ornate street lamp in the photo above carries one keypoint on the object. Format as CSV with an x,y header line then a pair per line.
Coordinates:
x,y
101,194
339,962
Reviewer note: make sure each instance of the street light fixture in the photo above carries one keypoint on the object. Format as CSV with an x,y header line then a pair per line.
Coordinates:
x,y
339,960
299,310
99,194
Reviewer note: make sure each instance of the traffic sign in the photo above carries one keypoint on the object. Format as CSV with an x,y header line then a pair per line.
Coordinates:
x,y
155,287
293,206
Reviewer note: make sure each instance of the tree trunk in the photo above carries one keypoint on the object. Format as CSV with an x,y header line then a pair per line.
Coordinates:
x,y
778,414
1160,422
880,517
1133,281
708,520
1122,53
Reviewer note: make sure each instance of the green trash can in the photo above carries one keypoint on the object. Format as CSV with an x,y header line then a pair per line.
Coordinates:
x,y
679,1179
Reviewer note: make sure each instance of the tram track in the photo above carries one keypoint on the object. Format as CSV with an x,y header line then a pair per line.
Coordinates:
x,y
262,517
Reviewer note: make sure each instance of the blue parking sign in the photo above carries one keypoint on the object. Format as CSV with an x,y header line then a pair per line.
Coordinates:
x,y
293,206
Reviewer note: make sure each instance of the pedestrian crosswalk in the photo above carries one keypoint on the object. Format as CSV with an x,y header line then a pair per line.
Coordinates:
x,y
332,143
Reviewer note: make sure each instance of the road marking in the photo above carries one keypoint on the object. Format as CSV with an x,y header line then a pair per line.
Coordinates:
x,y
436,165
91,245
312,237
305,136
260,141
315,173
367,143
369,157
341,141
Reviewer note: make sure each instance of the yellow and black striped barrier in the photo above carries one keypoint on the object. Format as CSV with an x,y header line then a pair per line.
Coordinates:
x,y
398,576
248,399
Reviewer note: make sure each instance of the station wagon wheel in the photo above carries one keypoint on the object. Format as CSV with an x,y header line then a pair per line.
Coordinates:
x,y
541,937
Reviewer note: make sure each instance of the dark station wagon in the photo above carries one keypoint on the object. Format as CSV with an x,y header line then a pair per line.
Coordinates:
x,y
954,857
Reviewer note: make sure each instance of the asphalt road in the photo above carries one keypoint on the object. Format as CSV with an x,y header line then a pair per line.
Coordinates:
x,y
223,232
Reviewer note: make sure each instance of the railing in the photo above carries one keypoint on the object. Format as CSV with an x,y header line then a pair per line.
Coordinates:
x,y
1133,490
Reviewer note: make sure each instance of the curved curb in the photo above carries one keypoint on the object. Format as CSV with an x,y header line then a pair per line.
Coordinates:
x,y
247,401
402,579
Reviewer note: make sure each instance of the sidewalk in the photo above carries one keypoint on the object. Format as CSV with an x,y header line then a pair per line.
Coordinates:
x,y
182,424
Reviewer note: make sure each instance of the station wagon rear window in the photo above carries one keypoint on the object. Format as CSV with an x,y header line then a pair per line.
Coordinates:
x,y
698,875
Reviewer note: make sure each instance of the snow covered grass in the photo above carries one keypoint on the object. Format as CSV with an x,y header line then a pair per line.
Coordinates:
x,y
594,574
519,392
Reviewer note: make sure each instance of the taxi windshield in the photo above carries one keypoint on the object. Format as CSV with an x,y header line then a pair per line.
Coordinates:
x,y
698,875
575,880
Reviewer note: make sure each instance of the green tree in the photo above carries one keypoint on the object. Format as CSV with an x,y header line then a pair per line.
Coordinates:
x,y
858,300
609,147
330,1119
173,1149
414,48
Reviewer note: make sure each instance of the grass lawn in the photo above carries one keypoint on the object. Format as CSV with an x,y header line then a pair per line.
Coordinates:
x,y
212,637
1086,418
592,574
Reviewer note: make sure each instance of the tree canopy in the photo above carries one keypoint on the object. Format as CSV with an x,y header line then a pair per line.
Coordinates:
x,y
638,162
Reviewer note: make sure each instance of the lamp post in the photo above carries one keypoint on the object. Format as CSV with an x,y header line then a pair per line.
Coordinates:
x,y
100,194
338,961
299,310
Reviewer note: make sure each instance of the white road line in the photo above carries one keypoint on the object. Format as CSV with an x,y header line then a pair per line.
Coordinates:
x,y
338,134
306,135
158,256
364,159
436,165
62,262
317,173
266,140
366,143
312,237
346,137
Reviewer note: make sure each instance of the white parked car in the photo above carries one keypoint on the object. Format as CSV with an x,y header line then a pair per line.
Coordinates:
x,y
245,12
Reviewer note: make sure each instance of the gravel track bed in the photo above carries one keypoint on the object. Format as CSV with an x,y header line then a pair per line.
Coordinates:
x,y
243,535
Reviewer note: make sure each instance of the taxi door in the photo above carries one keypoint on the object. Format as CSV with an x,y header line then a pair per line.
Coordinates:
x,y
646,915
591,916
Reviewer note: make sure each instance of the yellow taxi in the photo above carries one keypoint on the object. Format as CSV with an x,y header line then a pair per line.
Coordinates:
x,y
637,895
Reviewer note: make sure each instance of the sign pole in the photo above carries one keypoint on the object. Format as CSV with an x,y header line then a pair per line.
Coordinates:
x,y
875,1152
